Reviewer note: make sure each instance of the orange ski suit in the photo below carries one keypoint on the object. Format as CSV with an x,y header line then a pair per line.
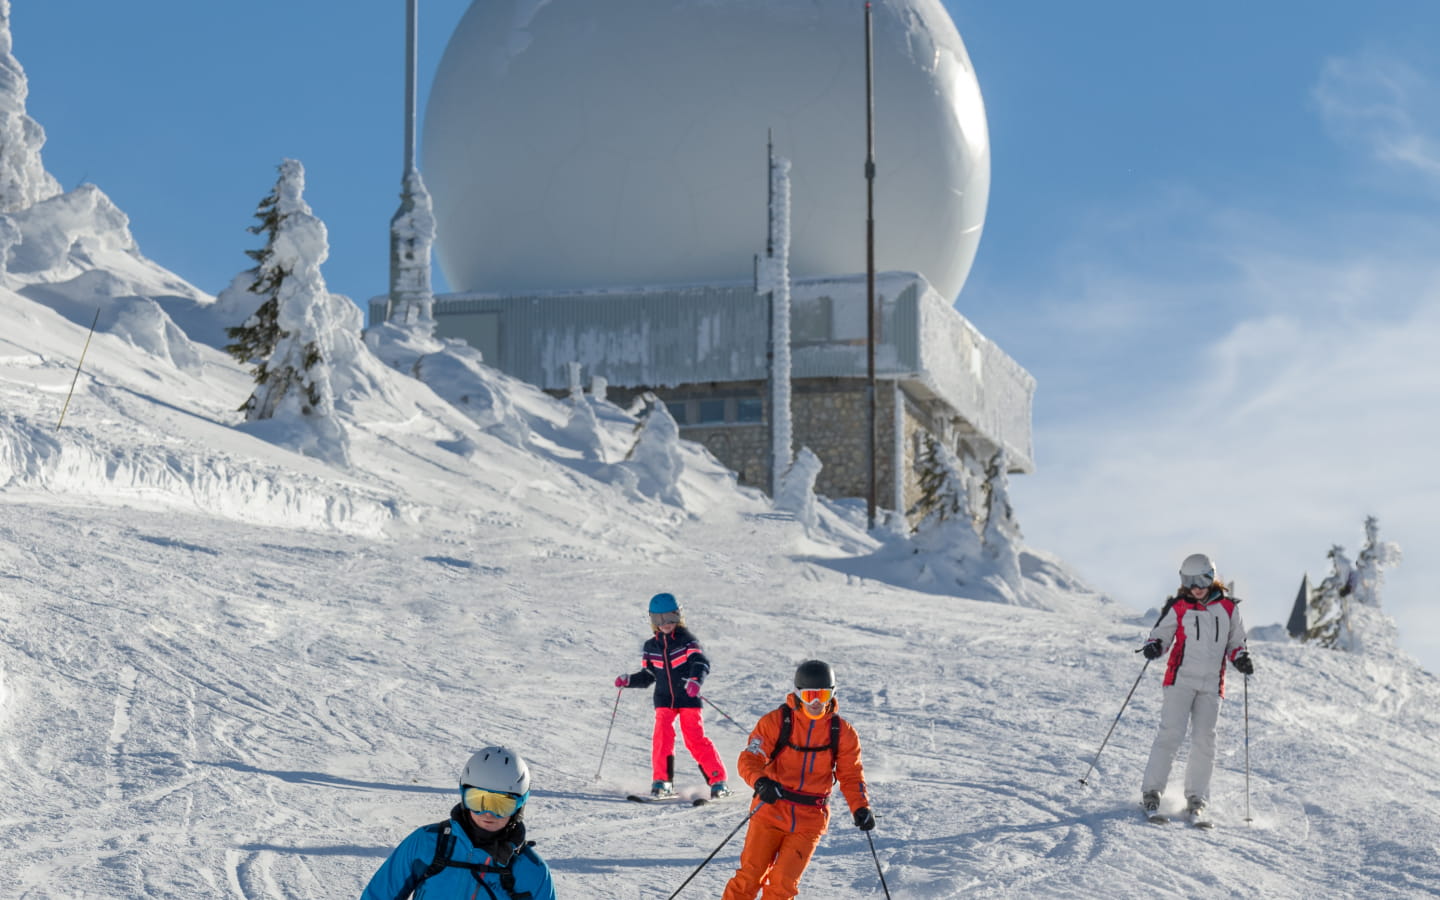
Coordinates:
x,y
782,835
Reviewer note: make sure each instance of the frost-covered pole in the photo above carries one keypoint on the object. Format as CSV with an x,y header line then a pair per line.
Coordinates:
x,y
412,229
869,271
777,285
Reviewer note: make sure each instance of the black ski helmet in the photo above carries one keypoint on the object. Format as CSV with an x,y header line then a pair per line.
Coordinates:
x,y
813,674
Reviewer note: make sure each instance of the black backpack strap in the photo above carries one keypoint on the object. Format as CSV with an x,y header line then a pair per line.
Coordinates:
x,y
783,739
445,849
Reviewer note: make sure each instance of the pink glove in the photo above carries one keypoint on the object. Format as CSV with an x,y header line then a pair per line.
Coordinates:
x,y
622,680
692,687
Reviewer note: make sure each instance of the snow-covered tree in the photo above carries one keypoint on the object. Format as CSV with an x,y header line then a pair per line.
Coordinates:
x,y
1344,610
1374,558
1001,532
257,289
944,486
23,179
795,492
1328,600
946,531
582,427
293,379
654,459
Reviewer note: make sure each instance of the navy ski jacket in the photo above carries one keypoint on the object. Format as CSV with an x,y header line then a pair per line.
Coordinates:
x,y
666,661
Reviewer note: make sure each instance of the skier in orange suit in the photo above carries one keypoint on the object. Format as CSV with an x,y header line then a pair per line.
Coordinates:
x,y
795,755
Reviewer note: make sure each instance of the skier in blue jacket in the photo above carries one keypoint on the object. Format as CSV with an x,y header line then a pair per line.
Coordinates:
x,y
481,852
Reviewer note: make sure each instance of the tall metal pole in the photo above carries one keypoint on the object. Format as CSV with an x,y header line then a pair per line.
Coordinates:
x,y
412,17
770,306
398,283
869,270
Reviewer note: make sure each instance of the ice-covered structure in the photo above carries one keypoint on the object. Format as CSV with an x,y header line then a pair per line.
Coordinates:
x,y
599,192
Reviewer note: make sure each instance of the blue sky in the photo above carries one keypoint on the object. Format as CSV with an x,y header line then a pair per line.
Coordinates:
x,y
1211,238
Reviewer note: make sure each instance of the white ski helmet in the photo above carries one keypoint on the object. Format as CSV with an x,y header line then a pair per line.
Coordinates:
x,y
497,769
1197,571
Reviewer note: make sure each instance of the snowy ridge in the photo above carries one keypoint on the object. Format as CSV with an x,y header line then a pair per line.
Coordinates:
x,y
86,468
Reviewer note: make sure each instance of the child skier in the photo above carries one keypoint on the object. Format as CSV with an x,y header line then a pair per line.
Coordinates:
x,y
1202,628
673,661
795,755
481,846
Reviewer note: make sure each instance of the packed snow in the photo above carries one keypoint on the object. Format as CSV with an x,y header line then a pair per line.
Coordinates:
x,y
231,669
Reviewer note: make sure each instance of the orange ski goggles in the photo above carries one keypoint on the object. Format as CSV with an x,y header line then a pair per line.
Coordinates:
x,y
816,695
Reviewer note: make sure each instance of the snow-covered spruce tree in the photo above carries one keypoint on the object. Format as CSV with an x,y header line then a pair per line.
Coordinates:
x,y
1374,558
23,179
1001,533
1328,600
944,486
945,537
293,382
254,340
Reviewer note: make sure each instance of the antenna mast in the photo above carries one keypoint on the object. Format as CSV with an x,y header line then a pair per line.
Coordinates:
x,y
869,271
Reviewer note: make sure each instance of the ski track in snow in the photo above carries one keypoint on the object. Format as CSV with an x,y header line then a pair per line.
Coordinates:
x,y
232,672
266,718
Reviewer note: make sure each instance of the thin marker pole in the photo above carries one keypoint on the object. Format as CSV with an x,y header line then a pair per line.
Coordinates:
x,y
78,364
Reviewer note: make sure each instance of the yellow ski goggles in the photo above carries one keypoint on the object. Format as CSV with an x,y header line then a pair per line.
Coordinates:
x,y
496,803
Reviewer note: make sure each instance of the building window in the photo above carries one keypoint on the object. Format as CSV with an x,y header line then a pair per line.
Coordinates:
x,y
749,409
711,412
678,411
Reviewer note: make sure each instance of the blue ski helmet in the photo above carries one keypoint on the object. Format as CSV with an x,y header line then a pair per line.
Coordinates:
x,y
663,603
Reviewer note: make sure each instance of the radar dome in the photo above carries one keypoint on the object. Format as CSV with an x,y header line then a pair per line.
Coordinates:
x,y
576,144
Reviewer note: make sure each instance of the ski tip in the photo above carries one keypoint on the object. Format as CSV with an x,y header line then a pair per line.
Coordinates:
x,y
699,801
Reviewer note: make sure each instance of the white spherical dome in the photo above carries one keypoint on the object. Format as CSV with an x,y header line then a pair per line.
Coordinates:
x,y
599,143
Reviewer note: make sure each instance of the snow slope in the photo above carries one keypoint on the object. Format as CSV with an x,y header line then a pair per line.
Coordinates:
x,y
231,671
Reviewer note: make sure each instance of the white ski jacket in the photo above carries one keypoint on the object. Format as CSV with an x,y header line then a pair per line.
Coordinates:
x,y
1200,635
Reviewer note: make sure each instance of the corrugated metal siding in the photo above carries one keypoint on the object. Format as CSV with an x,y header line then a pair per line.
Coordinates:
x,y
665,338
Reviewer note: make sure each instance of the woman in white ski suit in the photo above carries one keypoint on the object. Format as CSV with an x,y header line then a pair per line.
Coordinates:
x,y
1202,629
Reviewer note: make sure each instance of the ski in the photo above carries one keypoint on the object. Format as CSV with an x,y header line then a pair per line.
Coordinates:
x,y
1201,821
638,798
1154,818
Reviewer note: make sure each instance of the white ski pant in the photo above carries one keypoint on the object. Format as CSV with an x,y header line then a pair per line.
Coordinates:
x,y
1201,709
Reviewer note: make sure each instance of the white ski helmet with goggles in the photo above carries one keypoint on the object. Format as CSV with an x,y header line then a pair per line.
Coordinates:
x,y
1197,571
498,769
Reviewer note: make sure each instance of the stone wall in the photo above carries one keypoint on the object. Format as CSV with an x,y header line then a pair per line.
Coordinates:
x,y
828,416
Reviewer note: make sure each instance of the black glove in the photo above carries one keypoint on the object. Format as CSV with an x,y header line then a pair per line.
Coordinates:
x,y
767,789
864,818
1244,664
1152,649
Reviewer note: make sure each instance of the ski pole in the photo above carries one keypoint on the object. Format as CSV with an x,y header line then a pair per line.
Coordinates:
x,y
725,714
715,851
1116,722
618,692
1247,749
883,886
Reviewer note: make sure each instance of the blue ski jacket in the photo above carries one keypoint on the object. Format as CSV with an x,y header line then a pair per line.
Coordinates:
x,y
403,873
666,661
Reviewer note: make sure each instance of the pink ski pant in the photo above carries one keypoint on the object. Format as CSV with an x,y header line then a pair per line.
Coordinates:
x,y
692,728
